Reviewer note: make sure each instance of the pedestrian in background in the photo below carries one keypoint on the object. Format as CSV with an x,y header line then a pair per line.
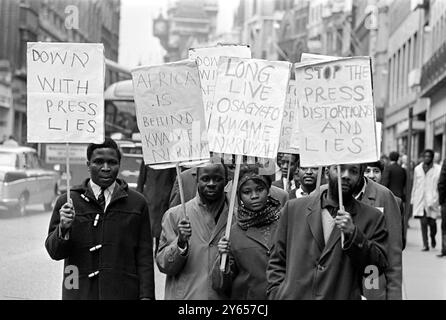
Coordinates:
x,y
394,177
103,231
287,164
156,186
442,201
374,172
250,240
305,178
424,198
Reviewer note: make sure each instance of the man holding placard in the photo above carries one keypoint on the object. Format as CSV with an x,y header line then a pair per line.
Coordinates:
x,y
188,244
103,232
309,260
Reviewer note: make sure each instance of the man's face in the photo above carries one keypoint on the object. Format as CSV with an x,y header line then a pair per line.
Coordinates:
x,y
285,164
103,166
427,158
308,176
211,182
373,173
350,176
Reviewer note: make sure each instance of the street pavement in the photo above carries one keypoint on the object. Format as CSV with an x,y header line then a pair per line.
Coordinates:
x,y
27,272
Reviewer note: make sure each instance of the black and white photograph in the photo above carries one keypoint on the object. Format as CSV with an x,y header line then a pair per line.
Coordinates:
x,y
239,152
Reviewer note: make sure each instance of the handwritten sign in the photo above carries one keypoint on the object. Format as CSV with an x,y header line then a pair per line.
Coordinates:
x,y
207,62
289,118
336,112
170,113
248,106
65,92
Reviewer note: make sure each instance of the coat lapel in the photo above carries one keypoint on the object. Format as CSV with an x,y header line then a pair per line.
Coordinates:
x,y
221,223
314,221
255,234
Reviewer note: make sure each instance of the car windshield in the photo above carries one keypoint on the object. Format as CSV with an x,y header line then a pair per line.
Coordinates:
x,y
8,159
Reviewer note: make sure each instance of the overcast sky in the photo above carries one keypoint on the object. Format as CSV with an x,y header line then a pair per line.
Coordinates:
x,y
136,42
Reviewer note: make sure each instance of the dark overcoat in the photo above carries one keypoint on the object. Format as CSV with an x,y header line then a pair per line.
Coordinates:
x,y
301,266
123,267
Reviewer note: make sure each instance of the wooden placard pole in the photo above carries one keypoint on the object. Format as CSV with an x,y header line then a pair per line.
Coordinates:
x,y
180,185
318,181
285,186
238,162
341,202
68,171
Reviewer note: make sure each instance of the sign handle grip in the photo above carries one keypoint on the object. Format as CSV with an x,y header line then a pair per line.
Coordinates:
x,y
231,207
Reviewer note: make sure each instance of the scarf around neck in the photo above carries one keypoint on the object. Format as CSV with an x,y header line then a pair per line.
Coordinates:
x,y
247,218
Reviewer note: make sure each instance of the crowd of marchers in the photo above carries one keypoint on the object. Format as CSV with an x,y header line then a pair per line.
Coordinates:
x,y
289,237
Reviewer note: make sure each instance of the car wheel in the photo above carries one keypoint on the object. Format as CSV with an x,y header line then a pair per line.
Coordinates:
x,y
21,205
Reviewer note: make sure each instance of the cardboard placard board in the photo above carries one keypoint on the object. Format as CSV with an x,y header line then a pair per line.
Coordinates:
x,y
170,112
65,87
289,119
336,112
248,106
207,62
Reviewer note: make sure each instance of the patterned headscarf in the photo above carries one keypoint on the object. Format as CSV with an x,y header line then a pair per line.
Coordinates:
x,y
270,213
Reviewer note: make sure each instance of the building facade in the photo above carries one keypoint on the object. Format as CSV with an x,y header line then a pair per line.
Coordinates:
x,y
23,21
405,112
433,76
293,35
189,23
259,23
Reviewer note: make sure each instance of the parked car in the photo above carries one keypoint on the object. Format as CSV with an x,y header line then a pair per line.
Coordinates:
x,y
131,152
23,181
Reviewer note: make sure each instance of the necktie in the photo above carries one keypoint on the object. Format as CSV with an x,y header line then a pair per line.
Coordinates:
x,y
101,199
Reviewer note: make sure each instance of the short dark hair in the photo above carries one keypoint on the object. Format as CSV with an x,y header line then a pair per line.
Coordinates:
x,y
215,160
429,151
108,143
377,164
394,156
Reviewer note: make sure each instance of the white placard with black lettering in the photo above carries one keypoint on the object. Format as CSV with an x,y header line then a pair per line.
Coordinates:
x,y
289,119
248,106
207,62
65,87
336,112
170,113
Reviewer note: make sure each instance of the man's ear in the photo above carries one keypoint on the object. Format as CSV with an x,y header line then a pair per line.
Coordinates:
x,y
88,165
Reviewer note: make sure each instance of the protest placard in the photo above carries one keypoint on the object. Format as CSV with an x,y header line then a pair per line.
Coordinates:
x,y
289,119
248,106
65,87
336,112
170,113
207,62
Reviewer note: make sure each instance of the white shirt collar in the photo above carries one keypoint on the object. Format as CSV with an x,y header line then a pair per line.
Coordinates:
x,y
97,190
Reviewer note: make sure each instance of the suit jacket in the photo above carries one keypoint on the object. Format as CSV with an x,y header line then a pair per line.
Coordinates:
x,y
394,178
380,197
302,266
156,186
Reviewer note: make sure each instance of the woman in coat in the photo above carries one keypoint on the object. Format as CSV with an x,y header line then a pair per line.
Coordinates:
x,y
250,240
